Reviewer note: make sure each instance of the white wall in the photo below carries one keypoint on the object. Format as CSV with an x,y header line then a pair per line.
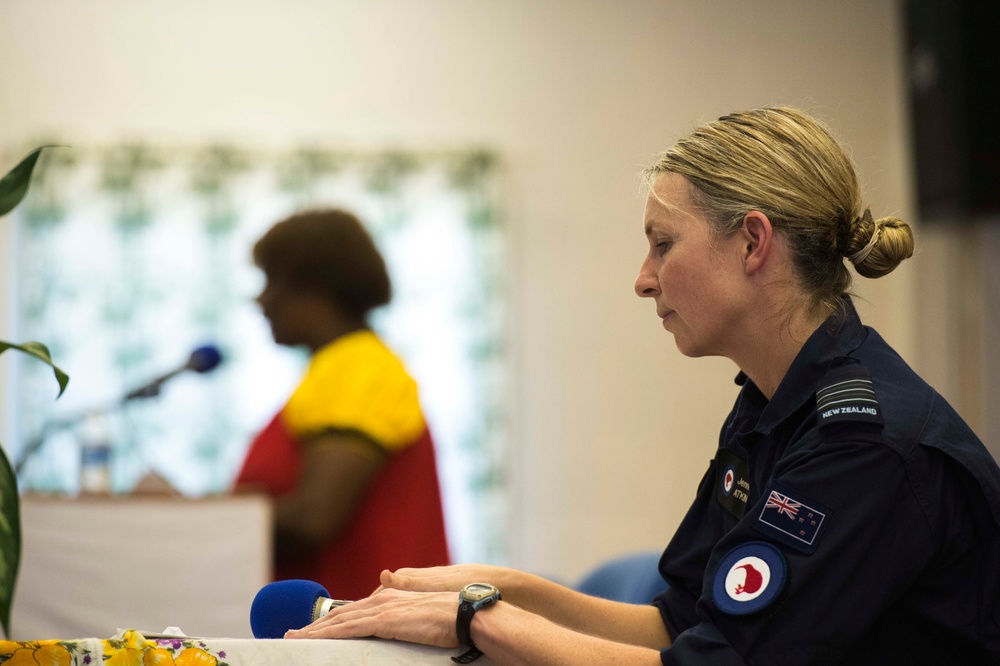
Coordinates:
x,y
613,427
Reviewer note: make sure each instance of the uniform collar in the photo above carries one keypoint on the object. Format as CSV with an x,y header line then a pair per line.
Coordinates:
x,y
839,335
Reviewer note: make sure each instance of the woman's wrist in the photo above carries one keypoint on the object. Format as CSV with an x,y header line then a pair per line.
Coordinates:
x,y
516,586
487,627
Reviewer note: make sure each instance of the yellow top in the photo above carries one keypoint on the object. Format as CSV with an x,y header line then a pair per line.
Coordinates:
x,y
357,383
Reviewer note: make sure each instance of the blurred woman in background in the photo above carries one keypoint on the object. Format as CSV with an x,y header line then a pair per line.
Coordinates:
x,y
349,459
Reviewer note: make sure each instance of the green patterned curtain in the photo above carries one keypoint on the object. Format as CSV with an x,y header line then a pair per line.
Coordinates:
x,y
125,258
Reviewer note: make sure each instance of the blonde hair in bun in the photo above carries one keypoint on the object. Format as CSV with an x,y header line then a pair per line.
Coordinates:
x,y
786,164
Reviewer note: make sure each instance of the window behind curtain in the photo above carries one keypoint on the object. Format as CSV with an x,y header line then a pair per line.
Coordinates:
x,y
126,258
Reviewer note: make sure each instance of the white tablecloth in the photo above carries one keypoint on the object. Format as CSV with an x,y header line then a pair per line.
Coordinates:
x,y
134,648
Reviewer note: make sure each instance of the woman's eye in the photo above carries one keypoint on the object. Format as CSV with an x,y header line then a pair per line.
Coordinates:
x,y
663,246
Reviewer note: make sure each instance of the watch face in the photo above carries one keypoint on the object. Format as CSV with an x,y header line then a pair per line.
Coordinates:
x,y
477,591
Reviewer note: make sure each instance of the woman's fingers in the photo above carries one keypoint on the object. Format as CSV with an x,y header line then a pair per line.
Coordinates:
x,y
438,579
427,618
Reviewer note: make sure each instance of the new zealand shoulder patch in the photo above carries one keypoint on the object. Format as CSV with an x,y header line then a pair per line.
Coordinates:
x,y
790,518
749,578
847,395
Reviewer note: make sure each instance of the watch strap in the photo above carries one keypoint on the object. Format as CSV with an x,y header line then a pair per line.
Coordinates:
x,y
463,623
468,656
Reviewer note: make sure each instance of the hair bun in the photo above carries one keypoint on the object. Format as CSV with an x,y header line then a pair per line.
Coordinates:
x,y
878,246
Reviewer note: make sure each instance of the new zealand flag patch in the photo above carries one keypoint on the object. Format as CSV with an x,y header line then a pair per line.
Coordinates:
x,y
790,518
847,395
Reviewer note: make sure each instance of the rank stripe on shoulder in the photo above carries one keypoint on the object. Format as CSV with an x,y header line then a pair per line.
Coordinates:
x,y
851,390
849,397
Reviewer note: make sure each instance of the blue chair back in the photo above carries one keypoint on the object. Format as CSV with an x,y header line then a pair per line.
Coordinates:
x,y
633,578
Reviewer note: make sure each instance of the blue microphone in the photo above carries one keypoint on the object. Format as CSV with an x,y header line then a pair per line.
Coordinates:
x,y
203,359
289,604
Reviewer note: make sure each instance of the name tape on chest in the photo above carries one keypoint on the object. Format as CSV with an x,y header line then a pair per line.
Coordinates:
x,y
732,482
847,395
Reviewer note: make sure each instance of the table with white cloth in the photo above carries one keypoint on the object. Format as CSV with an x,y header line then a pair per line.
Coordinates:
x,y
132,647
141,579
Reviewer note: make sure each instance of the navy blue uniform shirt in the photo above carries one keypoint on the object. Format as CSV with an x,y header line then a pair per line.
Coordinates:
x,y
853,518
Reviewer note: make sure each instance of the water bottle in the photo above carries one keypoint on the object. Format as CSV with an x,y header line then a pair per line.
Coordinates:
x,y
95,456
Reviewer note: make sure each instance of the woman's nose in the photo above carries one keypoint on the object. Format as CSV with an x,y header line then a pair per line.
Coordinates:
x,y
645,283
263,297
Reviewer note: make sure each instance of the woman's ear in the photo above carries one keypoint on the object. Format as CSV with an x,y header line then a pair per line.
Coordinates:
x,y
757,235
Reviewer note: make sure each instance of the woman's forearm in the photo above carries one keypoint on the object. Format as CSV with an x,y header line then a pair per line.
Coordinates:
x,y
613,620
512,636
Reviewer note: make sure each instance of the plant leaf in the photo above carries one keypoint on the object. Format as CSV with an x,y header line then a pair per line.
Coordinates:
x,y
14,185
10,539
41,352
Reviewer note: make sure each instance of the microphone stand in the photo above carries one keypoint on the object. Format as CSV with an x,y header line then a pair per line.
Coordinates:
x,y
52,427
203,359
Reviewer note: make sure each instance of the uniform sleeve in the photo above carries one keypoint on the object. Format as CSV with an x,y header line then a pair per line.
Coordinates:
x,y
359,386
836,538
702,644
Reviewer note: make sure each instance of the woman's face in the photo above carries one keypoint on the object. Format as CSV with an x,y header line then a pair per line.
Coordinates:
x,y
693,277
289,310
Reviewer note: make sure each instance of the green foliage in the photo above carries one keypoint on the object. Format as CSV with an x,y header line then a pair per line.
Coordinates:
x,y
41,352
10,539
13,187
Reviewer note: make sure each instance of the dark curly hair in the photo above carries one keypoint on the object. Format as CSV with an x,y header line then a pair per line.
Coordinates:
x,y
329,252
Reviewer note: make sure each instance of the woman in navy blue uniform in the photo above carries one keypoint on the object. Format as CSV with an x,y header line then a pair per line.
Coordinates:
x,y
849,515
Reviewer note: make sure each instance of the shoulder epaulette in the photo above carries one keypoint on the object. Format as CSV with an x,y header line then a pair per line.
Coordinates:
x,y
847,394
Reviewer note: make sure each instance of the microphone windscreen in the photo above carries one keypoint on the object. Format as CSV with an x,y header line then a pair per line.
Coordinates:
x,y
284,605
205,358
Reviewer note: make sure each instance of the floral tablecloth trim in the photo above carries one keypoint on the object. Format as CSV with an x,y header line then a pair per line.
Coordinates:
x,y
132,649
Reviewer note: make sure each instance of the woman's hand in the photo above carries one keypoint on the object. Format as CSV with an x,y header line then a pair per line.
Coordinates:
x,y
415,617
414,605
448,579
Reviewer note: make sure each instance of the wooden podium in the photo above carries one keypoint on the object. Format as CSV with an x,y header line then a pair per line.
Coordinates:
x,y
93,565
